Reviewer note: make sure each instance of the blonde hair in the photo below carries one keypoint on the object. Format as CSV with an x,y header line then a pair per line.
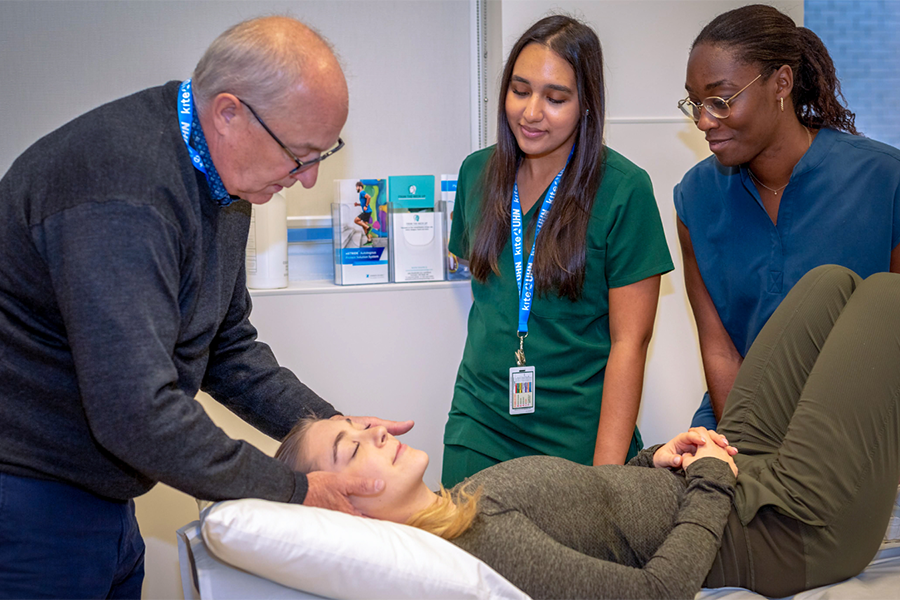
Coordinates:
x,y
448,518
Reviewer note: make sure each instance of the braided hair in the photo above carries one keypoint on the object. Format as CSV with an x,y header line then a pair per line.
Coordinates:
x,y
760,34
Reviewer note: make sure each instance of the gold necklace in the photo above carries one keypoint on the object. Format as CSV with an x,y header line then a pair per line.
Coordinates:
x,y
775,191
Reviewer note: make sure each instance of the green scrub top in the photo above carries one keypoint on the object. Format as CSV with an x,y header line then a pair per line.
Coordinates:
x,y
568,342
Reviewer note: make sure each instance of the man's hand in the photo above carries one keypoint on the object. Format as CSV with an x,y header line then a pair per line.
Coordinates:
x,y
393,427
331,490
671,454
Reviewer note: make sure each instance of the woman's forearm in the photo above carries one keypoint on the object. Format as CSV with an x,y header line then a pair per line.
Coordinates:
x,y
721,371
622,387
632,310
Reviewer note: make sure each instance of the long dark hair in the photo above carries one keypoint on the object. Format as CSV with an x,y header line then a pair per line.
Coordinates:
x,y
763,35
560,253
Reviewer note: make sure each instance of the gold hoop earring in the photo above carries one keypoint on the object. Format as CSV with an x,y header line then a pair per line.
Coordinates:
x,y
782,104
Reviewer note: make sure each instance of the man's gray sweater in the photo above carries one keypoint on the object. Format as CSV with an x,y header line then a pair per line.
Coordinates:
x,y
122,293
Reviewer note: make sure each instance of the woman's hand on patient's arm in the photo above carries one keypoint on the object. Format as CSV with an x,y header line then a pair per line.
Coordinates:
x,y
331,490
393,427
673,454
714,450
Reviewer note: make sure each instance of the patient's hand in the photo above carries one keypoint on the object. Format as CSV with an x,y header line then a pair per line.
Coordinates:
x,y
713,450
393,427
672,454
331,490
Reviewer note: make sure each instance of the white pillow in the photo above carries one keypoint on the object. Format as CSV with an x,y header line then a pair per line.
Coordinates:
x,y
336,555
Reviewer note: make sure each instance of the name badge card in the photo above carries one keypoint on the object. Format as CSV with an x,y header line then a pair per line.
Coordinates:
x,y
521,390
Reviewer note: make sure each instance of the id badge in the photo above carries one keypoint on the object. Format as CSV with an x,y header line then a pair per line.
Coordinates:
x,y
521,390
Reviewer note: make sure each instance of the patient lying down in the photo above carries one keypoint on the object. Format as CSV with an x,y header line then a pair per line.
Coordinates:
x,y
550,526
655,528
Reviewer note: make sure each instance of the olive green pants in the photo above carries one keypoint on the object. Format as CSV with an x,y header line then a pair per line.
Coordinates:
x,y
814,412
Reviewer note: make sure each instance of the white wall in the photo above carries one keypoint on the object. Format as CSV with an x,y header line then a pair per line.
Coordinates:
x,y
645,44
407,66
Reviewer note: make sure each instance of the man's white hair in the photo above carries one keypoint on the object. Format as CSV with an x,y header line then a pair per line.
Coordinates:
x,y
261,61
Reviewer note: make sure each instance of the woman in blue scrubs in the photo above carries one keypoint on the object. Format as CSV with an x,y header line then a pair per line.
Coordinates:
x,y
791,184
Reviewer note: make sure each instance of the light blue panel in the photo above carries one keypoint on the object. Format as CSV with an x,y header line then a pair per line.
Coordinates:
x,y
862,38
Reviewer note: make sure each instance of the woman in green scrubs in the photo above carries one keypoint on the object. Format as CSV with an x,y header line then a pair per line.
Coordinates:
x,y
566,250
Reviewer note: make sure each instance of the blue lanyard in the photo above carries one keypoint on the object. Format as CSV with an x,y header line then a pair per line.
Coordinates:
x,y
526,284
185,119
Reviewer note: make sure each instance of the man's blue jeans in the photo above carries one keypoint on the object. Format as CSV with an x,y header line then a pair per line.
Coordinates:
x,y
58,541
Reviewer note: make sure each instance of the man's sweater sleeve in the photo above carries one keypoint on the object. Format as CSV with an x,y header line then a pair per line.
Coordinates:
x,y
244,375
122,319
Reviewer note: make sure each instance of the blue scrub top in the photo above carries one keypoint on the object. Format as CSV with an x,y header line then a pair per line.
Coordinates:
x,y
842,206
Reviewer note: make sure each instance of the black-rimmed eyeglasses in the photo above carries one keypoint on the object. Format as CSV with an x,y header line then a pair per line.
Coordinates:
x,y
301,164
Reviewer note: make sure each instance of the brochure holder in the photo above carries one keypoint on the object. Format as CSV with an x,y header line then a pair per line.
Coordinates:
x,y
360,237
454,269
417,240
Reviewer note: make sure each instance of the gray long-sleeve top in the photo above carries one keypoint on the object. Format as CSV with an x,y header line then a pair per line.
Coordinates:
x,y
122,292
558,529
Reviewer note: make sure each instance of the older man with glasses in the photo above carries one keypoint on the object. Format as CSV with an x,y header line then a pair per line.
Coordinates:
x,y
123,293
